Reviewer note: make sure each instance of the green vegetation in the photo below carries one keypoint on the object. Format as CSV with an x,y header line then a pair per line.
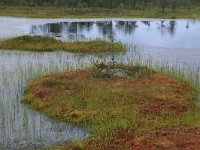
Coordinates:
x,y
41,44
55,12
126,107
106,4
98,8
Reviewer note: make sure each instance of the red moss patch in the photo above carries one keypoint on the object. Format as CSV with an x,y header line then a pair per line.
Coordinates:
x,y
169,139
173,99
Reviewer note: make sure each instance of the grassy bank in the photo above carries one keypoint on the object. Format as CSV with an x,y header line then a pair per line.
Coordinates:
x,y
126,107
61,12
41,44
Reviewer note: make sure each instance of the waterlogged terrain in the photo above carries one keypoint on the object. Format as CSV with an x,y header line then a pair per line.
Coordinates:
x,y
22,127
160,44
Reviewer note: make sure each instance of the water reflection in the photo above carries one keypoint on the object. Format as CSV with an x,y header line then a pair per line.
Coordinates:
x,y
167,27
127,28
147,23
159,33
188,24
172,26
105,29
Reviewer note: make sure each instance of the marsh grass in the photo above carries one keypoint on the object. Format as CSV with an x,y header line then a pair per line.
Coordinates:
x,y
119,110
55,12
42,44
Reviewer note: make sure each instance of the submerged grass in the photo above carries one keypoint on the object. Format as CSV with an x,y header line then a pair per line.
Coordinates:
x,y
41,44
136,108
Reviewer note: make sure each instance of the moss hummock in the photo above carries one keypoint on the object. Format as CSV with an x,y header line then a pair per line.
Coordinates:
x,y
137,108
42,44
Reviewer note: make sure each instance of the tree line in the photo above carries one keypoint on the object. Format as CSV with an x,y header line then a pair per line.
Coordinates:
x,y
107,4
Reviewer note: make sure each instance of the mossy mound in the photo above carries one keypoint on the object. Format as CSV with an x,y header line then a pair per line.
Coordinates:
x,y
122,111
42,44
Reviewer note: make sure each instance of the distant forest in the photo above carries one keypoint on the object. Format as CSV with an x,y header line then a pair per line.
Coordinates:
x,y
107,4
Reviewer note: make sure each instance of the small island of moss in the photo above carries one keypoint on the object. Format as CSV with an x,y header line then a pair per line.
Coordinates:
x,y
43,43
126,107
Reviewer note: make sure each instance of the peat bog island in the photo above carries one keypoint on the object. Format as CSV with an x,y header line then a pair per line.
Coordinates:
x,y
100,75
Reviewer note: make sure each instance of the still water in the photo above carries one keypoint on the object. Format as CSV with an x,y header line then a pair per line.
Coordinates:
x,y
20,126
168,43
165,33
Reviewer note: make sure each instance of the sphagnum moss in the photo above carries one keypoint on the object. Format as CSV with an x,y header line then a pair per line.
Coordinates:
x,y
123,112
41,44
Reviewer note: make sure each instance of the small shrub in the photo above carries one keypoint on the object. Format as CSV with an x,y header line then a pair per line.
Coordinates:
x,y
109,71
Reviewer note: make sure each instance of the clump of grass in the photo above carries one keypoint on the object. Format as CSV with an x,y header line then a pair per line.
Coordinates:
x,y
119,70
122,112
41,44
